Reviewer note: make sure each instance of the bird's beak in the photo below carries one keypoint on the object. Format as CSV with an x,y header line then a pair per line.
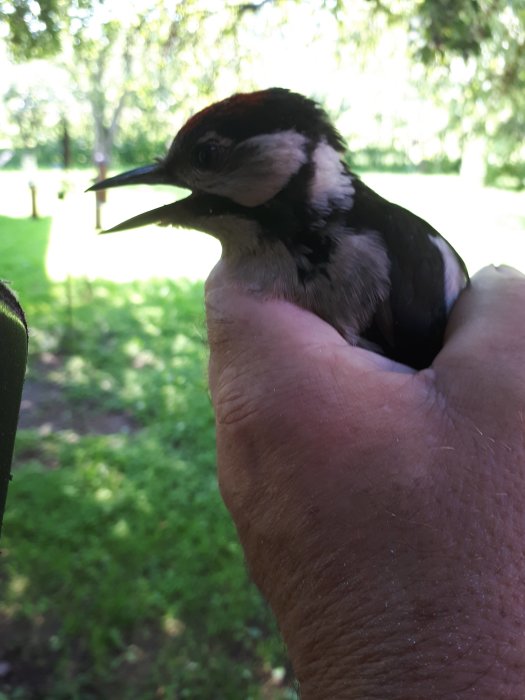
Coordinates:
x,y
171,214
146,175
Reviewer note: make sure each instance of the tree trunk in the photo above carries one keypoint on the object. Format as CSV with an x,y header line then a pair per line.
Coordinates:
x,y
66,146
474,161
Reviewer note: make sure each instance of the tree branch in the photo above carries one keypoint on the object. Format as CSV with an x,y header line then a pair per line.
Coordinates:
x,y
251,6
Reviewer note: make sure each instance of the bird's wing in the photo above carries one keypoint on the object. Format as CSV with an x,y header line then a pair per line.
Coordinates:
x,y
426,277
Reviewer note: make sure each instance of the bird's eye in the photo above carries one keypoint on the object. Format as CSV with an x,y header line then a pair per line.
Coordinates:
x,y
206,155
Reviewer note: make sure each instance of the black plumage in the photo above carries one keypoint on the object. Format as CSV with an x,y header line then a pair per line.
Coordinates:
x,y
410,324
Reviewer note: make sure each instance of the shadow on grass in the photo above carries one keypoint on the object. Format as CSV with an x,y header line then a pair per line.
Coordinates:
x,y
122,573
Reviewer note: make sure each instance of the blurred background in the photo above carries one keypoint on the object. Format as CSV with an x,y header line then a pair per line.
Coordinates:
x,y
120,571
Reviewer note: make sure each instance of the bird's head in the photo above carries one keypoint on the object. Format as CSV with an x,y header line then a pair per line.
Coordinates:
x,y
243,157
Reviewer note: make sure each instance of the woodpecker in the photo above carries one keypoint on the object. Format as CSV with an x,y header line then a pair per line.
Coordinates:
x,y
268,178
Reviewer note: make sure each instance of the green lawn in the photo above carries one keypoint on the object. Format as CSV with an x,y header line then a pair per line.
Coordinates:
x,y
121,571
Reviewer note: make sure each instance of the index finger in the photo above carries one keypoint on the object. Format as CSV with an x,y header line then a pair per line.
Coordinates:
x,y
487,325
481,370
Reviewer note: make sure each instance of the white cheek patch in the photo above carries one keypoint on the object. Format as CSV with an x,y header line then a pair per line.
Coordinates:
x,y
454,279
331,184
265,165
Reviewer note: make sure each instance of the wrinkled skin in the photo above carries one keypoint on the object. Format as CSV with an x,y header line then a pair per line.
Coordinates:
x,y
381,510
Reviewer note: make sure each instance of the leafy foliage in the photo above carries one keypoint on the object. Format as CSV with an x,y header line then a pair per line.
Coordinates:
x,y
474,51
32,32
36,29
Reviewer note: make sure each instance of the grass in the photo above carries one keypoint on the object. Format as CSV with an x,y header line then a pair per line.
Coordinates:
x,y
121,570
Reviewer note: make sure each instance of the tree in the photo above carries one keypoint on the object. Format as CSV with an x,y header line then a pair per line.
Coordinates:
x,y
115,59
36,99
474,53
139,61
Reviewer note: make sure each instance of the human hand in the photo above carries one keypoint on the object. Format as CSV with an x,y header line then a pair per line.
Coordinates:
x,y
381,510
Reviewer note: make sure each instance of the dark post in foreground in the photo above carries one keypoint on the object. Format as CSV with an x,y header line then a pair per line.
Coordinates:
x,y
13,358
